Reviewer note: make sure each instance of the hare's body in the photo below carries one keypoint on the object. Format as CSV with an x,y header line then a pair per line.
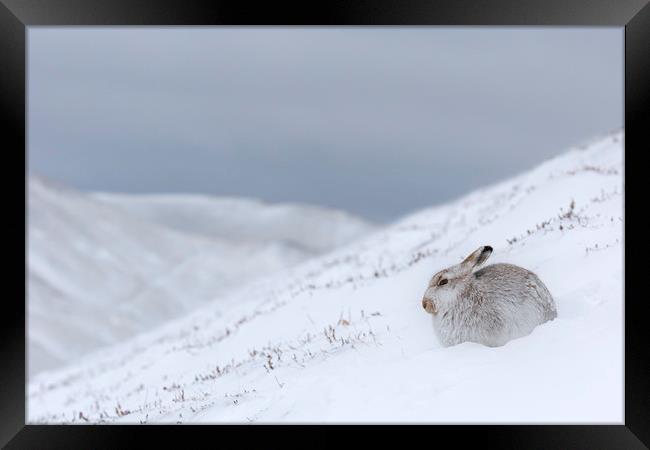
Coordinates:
x,y
490,306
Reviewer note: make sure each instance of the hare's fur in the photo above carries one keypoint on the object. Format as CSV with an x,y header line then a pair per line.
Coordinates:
x,y
489,306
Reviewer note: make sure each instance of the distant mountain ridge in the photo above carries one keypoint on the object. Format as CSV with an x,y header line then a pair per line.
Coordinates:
x,y
312,228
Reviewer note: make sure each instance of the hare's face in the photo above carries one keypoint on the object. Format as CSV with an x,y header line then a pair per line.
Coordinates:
x,y
445,286
443,290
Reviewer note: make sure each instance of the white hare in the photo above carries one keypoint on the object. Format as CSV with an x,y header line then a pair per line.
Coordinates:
x,y
489,306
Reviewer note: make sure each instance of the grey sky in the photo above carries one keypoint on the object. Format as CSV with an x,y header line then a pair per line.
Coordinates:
x,y
380,121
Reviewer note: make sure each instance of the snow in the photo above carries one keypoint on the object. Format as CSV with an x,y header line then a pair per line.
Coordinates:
x,y
241,220
99,273
343,337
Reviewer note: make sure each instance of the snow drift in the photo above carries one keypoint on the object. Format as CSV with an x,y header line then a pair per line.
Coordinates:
x,y
343,337
102,267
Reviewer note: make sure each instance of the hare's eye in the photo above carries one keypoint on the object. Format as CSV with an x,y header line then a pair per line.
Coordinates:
x,y
443,282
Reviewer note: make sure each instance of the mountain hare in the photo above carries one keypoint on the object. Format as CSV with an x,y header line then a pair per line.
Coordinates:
x,y
489,306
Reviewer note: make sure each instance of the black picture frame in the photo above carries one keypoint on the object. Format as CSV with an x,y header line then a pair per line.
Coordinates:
x,y
17,15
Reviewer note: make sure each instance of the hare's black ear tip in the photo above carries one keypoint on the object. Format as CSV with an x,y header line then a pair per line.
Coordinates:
x,y
487,248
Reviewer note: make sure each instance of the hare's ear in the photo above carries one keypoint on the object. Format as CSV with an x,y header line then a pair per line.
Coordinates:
x,y
477,258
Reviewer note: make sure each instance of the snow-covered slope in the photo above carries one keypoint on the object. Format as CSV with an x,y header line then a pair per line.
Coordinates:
x,y
98,273
343,337
241,220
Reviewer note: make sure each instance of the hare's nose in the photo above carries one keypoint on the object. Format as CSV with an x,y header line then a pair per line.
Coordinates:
x,y
428,306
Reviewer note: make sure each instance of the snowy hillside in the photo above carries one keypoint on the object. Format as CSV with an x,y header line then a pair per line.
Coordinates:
x,y
98,273
343,337
240,220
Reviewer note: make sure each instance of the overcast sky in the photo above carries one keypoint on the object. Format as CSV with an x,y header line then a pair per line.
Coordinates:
x,y
379,121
